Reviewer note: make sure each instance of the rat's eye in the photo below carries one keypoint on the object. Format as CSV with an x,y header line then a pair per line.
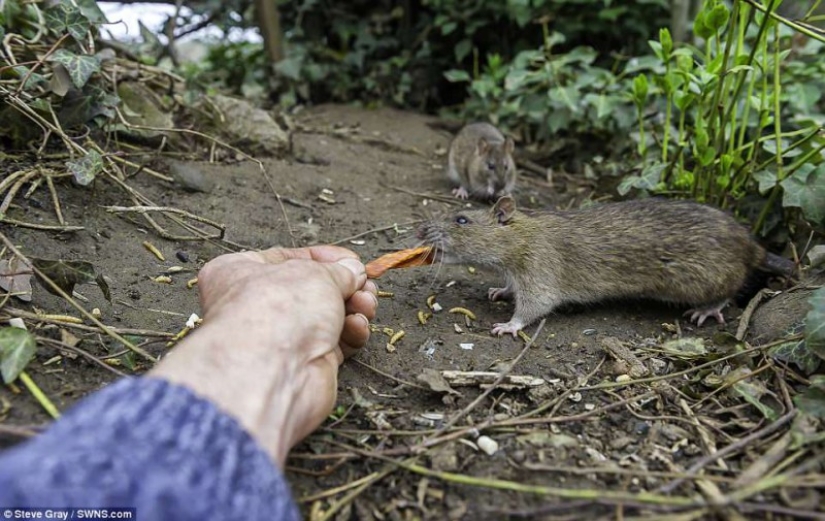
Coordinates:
x,y
491,165
461,220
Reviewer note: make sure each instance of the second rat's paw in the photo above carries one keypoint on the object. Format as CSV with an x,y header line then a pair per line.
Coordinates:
x,y
510,327
499,294
699,315
461,192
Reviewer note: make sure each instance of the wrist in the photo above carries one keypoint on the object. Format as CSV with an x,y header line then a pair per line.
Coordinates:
x,y
252,383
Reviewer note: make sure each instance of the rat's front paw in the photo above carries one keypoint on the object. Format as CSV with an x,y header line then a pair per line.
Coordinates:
x,y
499,294
461,192
512,327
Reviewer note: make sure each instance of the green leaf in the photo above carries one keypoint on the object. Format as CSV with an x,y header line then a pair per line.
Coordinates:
x,y
91,11
684,62
666,41
86,168
796,352
812,401
456,75
806,189
648,180
80,67
683,100
717,17
448,27
766,180
815,324
707,157
640,89
816,255
751,390
689,348
657,49
699,28
462,49
516,78
64,17
17,349
567,96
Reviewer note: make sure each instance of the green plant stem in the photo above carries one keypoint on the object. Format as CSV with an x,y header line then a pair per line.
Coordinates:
x,y
39,395
784,21
716,116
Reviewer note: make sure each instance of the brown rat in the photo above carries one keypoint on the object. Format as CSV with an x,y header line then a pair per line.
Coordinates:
x,y
480,162
673,251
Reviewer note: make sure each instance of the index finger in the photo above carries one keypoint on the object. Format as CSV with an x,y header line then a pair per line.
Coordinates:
x,y
322,253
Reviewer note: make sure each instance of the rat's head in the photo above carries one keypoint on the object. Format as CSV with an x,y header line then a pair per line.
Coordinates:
x,y
471,236
493,170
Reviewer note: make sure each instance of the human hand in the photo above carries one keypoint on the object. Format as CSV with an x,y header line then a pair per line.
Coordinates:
x,y
277,324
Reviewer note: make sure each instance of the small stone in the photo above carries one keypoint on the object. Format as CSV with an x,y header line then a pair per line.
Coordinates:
x,y
487,444
182,256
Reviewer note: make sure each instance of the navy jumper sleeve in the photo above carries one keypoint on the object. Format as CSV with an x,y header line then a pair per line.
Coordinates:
x,y
147,444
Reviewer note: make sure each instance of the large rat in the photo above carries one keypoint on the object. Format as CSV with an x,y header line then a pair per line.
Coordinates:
x,y
673,251
480,162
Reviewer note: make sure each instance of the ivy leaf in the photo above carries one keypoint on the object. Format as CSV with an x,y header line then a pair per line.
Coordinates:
x,y
67,274
80,67
91,11
17,349
65,17
815,324
797,353
751,390
812,401
456,75
817,255
648,180
766,180
462,49
805,189
86,168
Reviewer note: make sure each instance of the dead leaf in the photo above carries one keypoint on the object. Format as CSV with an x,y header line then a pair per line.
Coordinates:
x,y
67,274
15,277
436,382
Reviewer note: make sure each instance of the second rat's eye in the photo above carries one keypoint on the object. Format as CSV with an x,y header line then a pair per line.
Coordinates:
x,y
491,165
461,220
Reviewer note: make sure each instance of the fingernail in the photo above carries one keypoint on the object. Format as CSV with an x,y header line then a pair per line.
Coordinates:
x,y
354,265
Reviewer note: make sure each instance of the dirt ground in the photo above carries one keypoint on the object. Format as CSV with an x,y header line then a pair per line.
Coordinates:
x,y
378,182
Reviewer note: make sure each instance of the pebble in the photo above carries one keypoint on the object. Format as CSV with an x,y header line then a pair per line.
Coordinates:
x,y
182,256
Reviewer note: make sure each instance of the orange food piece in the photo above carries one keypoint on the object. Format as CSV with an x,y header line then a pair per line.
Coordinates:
x,y
420,256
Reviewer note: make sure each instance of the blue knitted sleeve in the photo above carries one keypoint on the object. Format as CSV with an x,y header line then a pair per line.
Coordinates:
x,y
147,444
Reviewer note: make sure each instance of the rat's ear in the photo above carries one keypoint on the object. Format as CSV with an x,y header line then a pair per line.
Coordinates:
x,y
483,146
504,209
509,146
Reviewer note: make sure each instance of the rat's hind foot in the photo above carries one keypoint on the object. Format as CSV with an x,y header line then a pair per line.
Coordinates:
x,y
511,327
699,315
499,294
461,192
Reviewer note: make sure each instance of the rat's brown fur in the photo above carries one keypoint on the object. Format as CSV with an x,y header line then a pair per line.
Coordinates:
x,y
672,251
480,162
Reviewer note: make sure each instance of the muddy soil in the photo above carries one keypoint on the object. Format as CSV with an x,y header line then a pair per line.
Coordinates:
x,y
363,179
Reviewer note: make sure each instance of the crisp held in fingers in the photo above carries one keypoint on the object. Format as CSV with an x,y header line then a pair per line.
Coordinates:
x,y
420,256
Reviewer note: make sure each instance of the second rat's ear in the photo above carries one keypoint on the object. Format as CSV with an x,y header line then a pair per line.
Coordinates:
x,y
509,146
482,147
504,209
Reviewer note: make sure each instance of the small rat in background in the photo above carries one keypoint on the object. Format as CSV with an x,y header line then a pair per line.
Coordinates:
x,y
480,162
673,251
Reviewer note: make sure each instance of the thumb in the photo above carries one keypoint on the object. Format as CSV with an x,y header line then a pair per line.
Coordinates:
x,y
349,275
